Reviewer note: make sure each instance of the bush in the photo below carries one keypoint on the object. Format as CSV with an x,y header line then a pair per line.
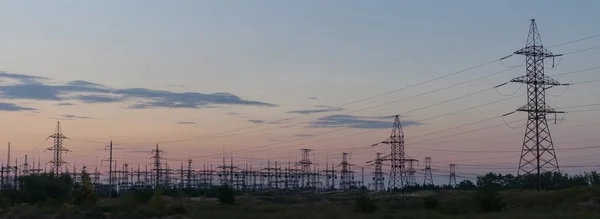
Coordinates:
x,y
364,204
85,193
226,195
430,202
128,202
489,200
158,202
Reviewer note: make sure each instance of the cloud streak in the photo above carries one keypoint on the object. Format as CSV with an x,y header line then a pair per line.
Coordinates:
x,y
139,98
359,122
186,123
256,121
64,104
71,116
312,111
13,107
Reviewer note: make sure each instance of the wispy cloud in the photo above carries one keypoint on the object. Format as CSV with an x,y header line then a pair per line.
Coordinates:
x,y
22,78
64,104
312,111
176,85
71,116
186,123
138,151
256,121
88,92
360,122
13,107
303,135
313,98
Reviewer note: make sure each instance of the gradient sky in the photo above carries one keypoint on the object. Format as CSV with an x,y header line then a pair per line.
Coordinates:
x,y
177,72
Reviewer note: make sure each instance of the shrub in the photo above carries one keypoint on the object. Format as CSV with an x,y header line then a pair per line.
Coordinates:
x,y
226,195
430,202
489,200
127,201
364,204
85,193
158,202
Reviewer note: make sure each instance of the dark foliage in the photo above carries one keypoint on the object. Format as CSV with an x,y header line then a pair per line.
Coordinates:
x,y
489,200
430,202
466,185
40,188
364,204
84,193
553,181
226,195
177,209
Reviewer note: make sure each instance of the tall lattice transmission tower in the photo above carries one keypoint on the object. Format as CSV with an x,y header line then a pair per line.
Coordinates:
x,y
378,178
346,181
410,172
428,180
57,149
537,154
305,178
157,166
452,180
397,156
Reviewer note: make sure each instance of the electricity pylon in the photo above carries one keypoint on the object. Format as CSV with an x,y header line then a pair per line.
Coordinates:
x,y
537,154
58,149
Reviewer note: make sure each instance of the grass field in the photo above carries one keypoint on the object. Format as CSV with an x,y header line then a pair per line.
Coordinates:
x,y
572,203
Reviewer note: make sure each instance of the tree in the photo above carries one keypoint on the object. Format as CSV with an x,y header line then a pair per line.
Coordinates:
x,y
594,178
85,193
39,188
466,185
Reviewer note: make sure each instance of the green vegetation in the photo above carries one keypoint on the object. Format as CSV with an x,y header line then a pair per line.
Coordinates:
x,y
363,204
49,196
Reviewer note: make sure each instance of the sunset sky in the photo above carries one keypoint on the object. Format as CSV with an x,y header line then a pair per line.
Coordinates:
x,y
262,79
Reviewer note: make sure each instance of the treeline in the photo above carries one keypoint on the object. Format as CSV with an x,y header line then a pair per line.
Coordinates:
x,y
49,189
549,180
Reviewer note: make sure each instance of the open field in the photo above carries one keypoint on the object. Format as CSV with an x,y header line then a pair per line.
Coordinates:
x,y
572,203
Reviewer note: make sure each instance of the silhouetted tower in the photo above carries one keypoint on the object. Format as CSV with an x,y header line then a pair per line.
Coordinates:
x,y
410,173
452,181
345,173
96,174
189,174
537,154
157,166
110,168
58,149
378,178
6,181
305,172
397,157
25,167
428,181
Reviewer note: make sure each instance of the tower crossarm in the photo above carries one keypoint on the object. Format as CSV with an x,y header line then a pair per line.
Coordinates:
x,y
545,80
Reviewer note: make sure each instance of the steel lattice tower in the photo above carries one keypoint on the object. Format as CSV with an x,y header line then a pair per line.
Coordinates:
x,y
157,167
397,157
378,178
346,177
428,180
537,154
305,164
452,180
58,149
410,173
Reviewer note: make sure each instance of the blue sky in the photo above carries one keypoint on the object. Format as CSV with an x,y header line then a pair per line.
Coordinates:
x,y
170,70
